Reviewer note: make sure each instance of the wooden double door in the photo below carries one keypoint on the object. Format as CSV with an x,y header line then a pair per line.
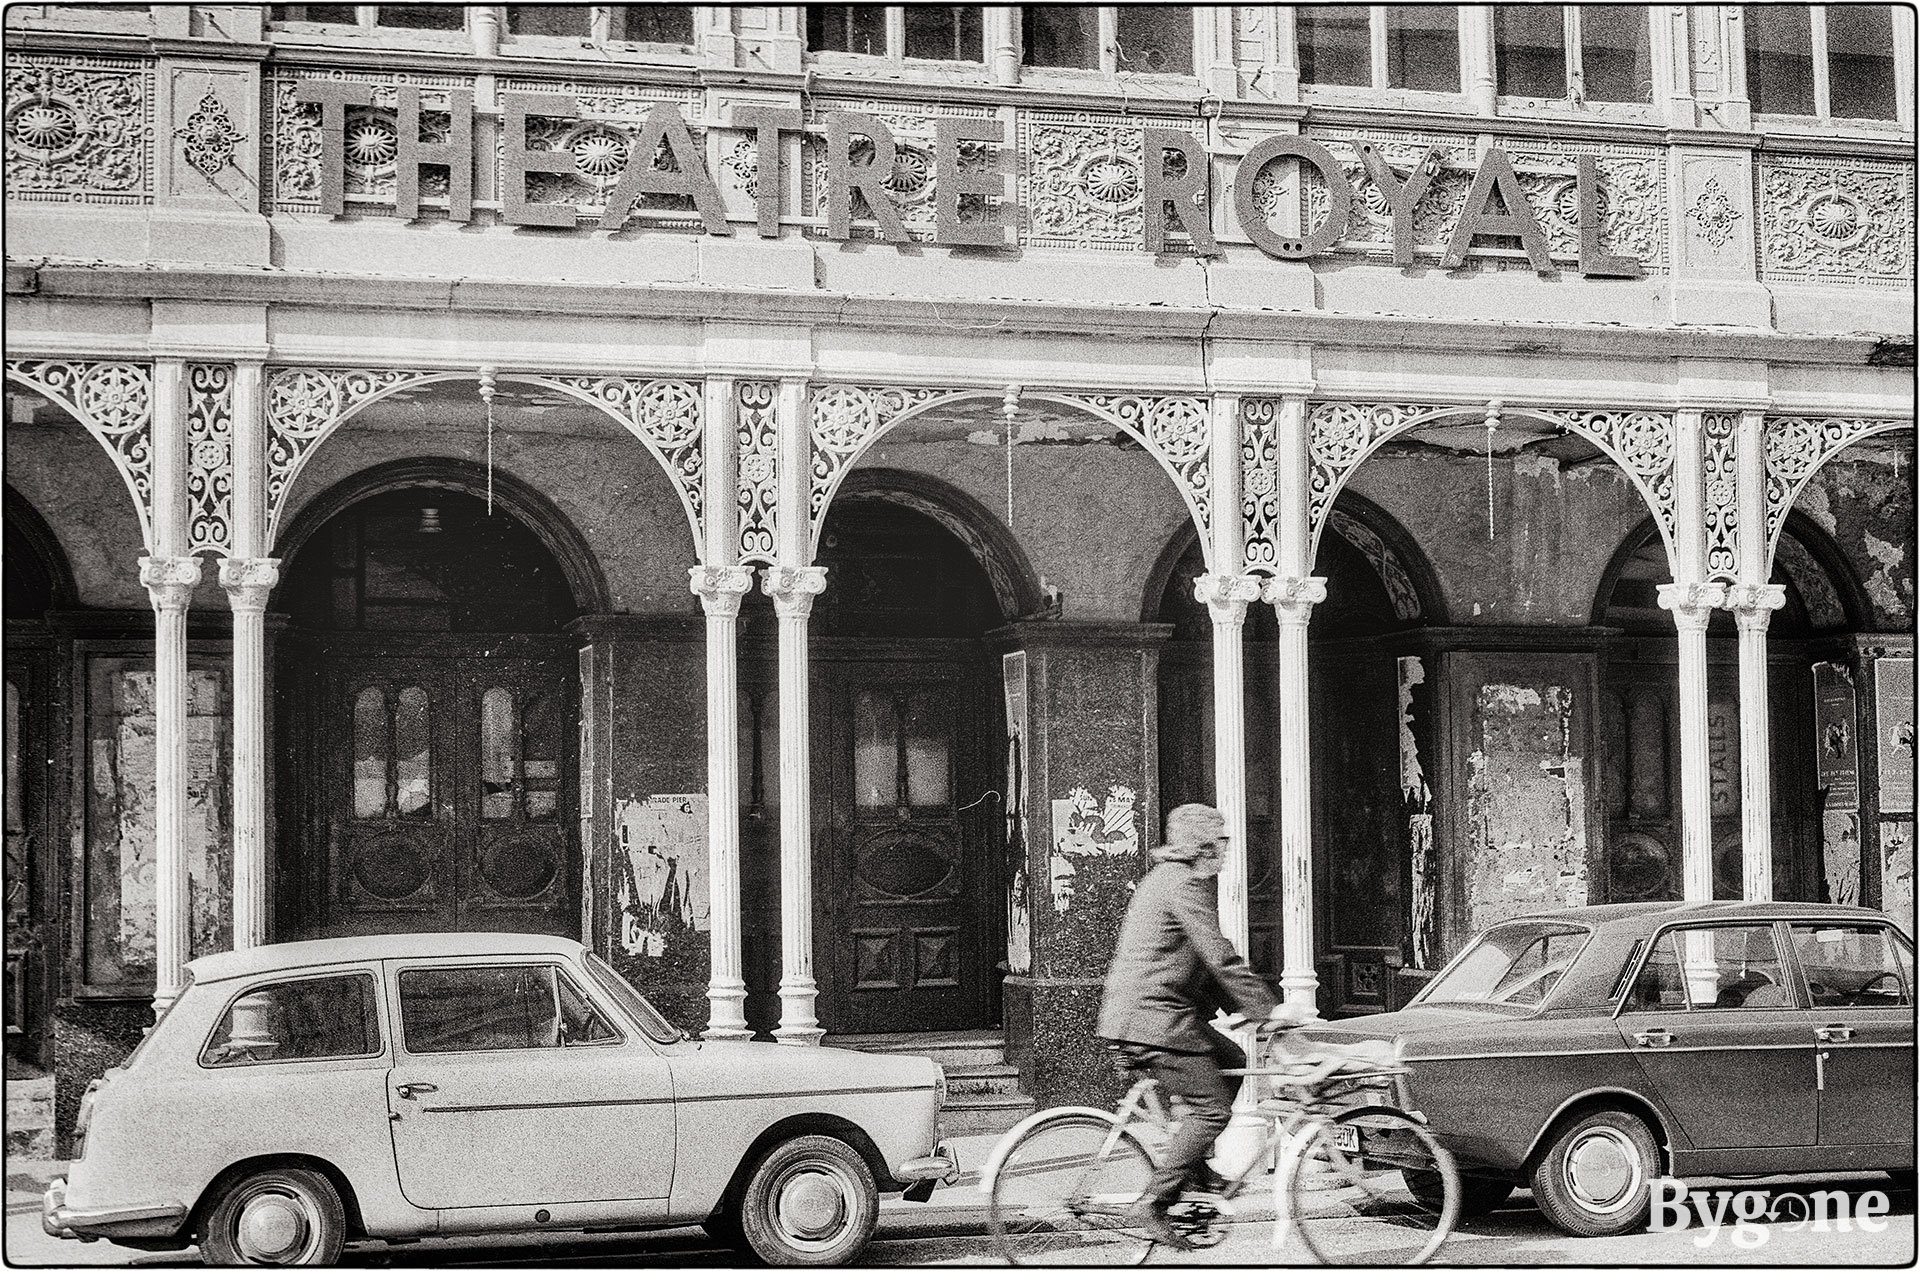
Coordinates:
x,y
447,794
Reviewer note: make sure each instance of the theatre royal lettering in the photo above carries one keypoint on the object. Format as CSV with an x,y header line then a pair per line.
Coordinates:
x,y
862,169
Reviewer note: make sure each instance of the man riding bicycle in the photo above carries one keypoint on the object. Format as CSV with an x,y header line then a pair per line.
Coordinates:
x,y
1172,967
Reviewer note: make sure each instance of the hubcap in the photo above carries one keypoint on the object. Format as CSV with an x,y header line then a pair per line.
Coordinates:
x,y
1603,1170
271,1228
813,1206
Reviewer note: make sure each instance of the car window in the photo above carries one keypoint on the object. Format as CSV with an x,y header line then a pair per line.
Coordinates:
x,y
1852,965
1712,969
327,1017
581,1023
446,1009
1517,964
638,1007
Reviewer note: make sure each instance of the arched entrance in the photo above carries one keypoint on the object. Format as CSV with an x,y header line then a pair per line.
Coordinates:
x,y
428,697
1365,857
37,581
1639,721
906,739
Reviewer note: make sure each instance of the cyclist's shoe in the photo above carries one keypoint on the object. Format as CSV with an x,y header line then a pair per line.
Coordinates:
x,y
1151,1214
1205,1178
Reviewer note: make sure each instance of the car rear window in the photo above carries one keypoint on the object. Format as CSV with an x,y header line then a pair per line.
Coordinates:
x,y
324,1017
1516,964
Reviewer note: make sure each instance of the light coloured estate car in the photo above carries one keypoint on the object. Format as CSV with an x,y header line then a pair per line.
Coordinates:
x,y
301,1095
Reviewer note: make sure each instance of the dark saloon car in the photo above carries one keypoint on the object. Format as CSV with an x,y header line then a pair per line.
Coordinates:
x,y
1586,1052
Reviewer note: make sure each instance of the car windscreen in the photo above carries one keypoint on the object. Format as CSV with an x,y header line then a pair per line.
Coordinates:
x,y
631,1000
1515,964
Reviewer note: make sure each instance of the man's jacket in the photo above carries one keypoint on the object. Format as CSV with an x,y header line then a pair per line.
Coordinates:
x,y
1172,966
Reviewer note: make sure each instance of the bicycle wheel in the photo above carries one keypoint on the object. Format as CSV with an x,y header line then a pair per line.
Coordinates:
x,y
1347,1190
1064,1190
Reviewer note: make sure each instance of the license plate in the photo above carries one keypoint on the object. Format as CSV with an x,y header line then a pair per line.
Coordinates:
x,y
1346,1138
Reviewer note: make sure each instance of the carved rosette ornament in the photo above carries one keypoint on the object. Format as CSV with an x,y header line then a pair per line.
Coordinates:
x,y
1753,603
1822,219
169,580
249,581
1082,180
304,407
209,138
794,587
1293,598
720,588
1227,596
1713,215
114,402
77,129
1692,604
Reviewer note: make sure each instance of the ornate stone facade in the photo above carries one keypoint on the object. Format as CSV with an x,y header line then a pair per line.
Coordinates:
x,y
1830,220
79,128
372,139
913,182
209,137
1080,178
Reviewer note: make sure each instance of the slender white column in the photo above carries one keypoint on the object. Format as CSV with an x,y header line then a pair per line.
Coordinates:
x,y
170,581
249,576
1753,606
721,588
248,583
1692,604
793,589
1293,600
1226,597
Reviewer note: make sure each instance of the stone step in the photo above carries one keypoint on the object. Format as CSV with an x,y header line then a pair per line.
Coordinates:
x,y
991,1079
954,1051
30,1118
983,1114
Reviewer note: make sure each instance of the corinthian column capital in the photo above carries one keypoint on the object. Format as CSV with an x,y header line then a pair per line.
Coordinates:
x,y
169,580
249,580
1753,603
720,587
1692,604
1294,597
793,588
1227,596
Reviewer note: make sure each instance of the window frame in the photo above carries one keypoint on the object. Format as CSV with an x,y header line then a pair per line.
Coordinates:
x,y
1570,33
1889,931
1377,63
895,18
295,976
556,965
1108,18
366,18
1822,116
1790,965
599,32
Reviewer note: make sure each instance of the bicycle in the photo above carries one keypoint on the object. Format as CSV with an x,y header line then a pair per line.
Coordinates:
x,y
1360,1180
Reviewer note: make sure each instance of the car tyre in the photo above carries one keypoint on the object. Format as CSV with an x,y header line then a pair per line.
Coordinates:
x,y
1596,1176
276,1217
811,1202
1478,1196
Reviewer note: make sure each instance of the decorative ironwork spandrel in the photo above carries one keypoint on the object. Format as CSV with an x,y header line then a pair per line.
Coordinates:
x,y
210,458
843,420
1260,482
664,414
304,407
1721,497
114,402
1796,448
757,484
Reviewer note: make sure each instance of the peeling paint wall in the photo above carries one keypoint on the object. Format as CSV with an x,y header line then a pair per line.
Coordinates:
x,y
1422,850
119,884
1525,800
1865,500
661,897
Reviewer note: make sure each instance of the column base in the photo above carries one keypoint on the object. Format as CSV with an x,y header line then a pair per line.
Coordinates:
x,y
799,1026
1301,988
726,1011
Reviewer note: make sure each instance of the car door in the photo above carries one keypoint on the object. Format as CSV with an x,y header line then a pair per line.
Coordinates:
x,y
1859,978
1714,1023
514,1086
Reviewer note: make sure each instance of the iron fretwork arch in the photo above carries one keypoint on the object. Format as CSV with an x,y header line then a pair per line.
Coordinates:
x,y
1797,447
307,405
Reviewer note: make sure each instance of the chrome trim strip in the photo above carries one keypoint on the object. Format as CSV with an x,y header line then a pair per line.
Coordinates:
x,y
698,1098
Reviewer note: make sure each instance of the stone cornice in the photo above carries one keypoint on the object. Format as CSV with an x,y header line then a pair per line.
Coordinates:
x,y
74,281
1030,635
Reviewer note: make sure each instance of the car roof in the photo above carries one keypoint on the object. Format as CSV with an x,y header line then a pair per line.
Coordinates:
x,y
311,953
1639,917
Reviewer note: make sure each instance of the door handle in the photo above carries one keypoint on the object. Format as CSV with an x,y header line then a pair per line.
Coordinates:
x,y
408,1089
1834,1033
1654,1037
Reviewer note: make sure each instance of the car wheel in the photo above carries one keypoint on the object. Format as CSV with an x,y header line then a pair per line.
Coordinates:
x,y
1596,1176
811,1202
276,1217
1478,1196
